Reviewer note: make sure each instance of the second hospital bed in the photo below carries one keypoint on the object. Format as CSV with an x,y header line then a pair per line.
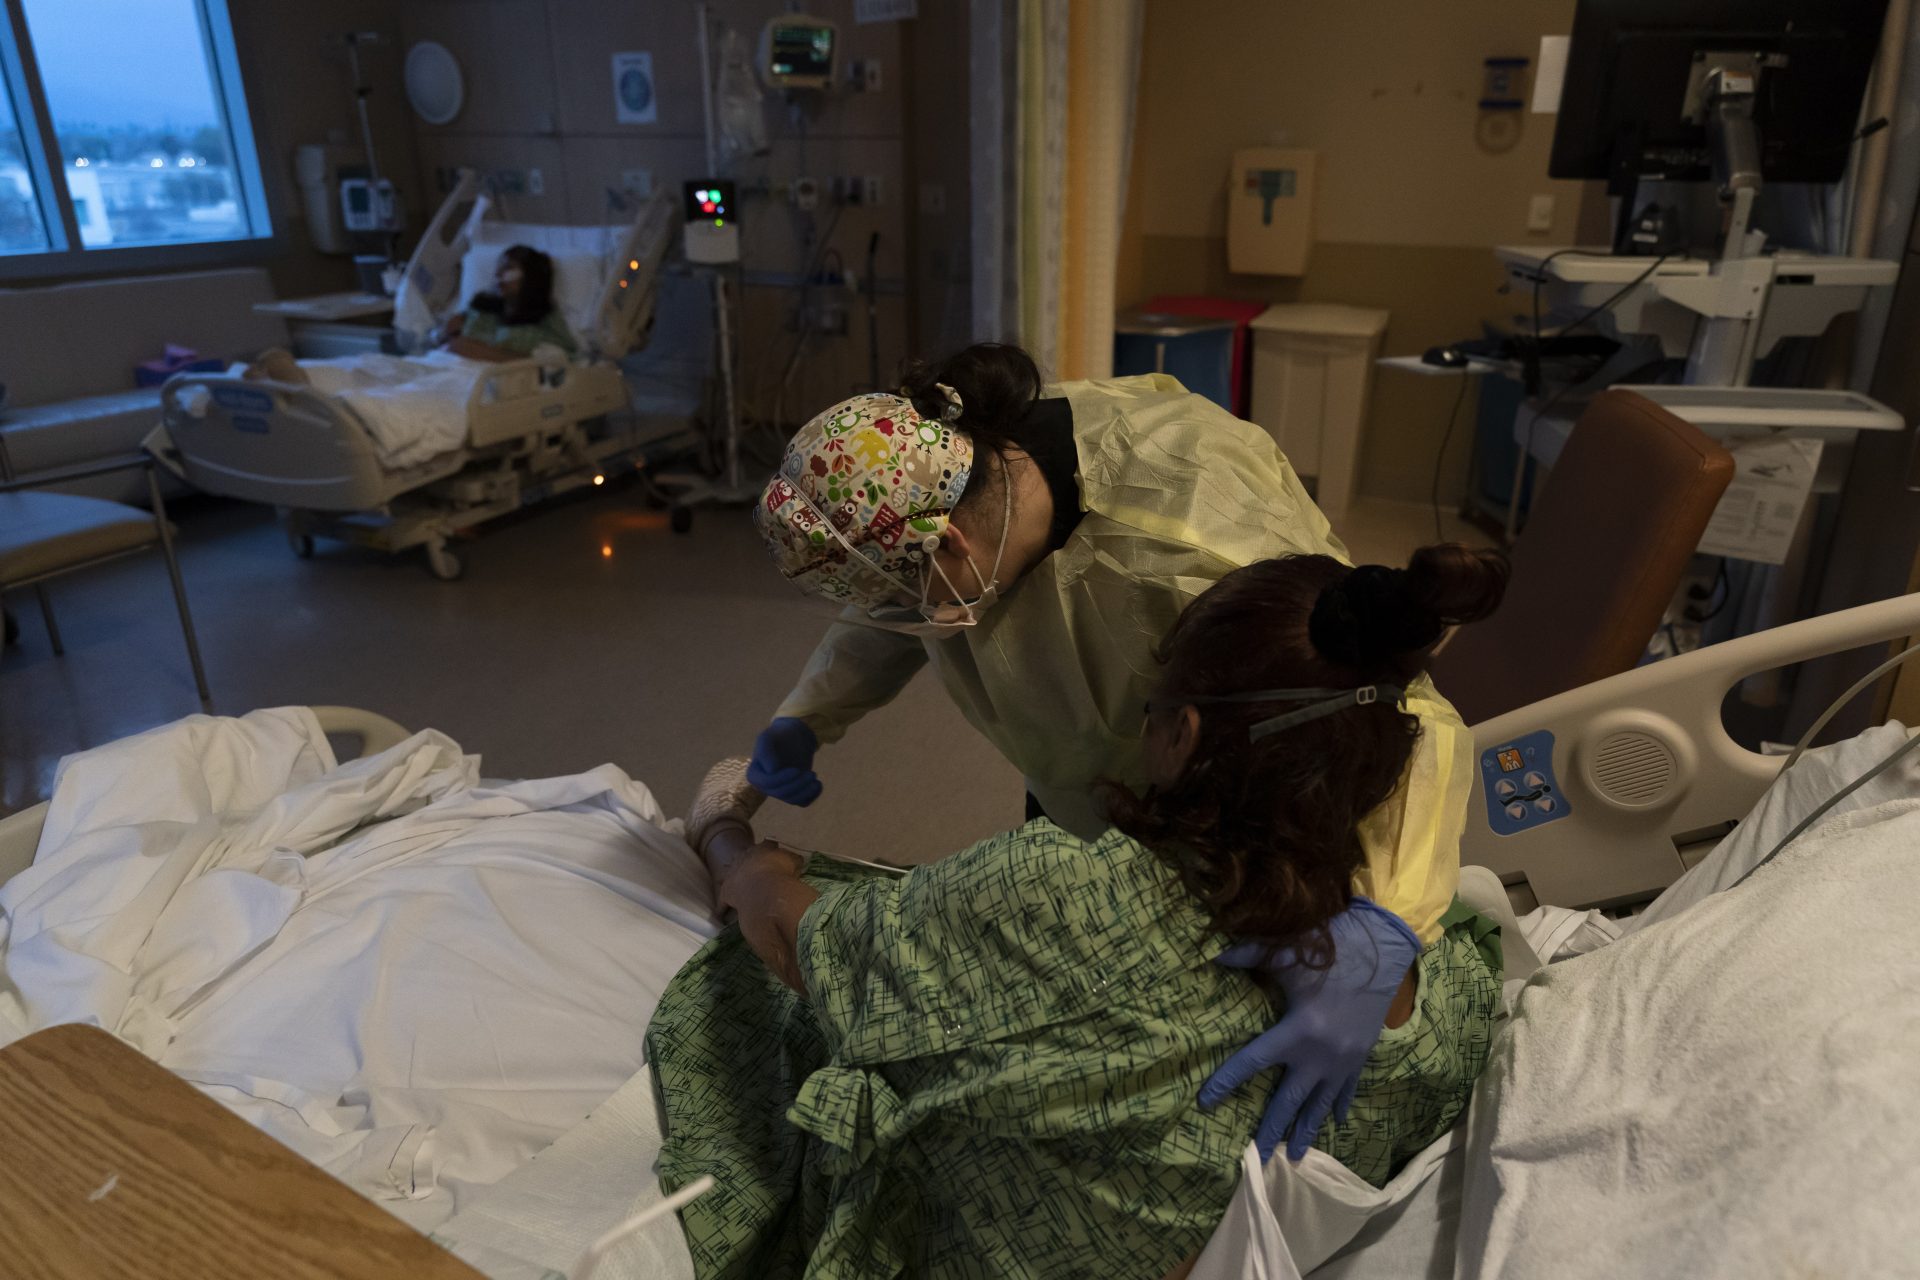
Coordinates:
x,y
1530,1184
521,430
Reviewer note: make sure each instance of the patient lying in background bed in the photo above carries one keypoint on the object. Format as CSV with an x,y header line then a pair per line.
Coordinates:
x,y
415,408
512,322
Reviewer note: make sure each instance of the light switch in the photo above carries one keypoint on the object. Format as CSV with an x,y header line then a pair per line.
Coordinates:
x,y
1540,213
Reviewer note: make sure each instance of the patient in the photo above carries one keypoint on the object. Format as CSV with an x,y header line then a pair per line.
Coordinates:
x,y
517,317
510,322
990,1065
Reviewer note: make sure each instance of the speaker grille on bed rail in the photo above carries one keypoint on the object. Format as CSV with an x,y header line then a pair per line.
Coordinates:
x,y
1633,768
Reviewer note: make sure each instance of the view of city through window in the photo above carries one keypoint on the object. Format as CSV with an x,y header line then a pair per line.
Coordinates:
x,y
144,152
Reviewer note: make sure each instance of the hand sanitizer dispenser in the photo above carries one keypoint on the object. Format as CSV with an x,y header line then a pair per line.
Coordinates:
x,y
1270,211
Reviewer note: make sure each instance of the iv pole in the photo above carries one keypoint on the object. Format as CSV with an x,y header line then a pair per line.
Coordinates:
x,y
730,488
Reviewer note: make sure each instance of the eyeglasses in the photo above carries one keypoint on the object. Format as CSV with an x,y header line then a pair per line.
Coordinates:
x,y
1324,703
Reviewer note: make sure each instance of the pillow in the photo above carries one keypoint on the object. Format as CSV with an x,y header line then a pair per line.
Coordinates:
x,y
1728,1091
580,256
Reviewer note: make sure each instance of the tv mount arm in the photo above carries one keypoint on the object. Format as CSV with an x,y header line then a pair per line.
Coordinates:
x,y
1721,95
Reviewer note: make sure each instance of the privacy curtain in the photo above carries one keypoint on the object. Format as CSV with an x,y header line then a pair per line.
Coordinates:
x,y
1053,94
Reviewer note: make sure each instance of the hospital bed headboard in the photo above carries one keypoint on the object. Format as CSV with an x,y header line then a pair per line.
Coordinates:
x,y
1596,791
608,274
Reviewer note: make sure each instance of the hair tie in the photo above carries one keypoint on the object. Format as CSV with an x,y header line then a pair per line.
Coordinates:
x,y
1369,617
954,408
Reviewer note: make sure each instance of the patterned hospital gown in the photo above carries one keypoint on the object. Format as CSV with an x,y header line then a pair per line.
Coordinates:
x,y
996,1070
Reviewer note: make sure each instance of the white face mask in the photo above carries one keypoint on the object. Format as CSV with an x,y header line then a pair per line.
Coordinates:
x,y
933,621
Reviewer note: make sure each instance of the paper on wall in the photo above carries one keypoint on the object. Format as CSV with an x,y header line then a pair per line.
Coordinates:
x,y
1756,519
634,98
865,11
1552,74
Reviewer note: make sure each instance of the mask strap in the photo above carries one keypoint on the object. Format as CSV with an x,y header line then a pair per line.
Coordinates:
x,y
1365,695
986,584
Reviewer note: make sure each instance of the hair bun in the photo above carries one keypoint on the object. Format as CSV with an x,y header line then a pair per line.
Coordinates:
x,y
1369,617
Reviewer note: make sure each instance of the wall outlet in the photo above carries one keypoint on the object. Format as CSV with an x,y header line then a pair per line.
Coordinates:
x,y
637,182
870,191
933,199
863,75
1540,213
536,183
805,193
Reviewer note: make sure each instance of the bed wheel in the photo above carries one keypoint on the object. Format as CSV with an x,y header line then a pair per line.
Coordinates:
x,y
444,564
302,544
682,519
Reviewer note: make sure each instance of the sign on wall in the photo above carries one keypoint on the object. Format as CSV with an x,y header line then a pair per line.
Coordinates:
x,y
634,99
865,11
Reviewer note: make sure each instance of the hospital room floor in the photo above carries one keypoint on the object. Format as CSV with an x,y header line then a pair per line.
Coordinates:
x,y
582,633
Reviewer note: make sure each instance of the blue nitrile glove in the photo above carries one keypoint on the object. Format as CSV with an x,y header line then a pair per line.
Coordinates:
x,y
1333,1017
782,765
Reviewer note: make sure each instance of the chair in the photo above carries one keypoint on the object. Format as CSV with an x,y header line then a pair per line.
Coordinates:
x,y
1600,559
45,535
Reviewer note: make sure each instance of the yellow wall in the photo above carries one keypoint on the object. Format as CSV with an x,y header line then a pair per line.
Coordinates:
x,y
1416,182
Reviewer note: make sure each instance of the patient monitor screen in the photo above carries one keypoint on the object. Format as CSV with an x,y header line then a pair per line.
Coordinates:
x,y
801,50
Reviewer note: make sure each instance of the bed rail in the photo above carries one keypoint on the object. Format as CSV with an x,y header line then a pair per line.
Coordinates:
x,y
1614,779
271,442
429,285
627,298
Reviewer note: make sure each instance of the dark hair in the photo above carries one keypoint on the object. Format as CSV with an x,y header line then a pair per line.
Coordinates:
x,y
534,302
1265,834
997,382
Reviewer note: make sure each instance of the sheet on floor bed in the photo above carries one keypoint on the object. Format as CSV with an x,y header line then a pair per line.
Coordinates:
x,y
415,980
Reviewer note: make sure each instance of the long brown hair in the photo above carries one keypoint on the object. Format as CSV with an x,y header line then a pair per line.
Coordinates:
x,y
534,301
1264,834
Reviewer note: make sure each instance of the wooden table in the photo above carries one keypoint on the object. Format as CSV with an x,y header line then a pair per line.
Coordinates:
x,y
111,1166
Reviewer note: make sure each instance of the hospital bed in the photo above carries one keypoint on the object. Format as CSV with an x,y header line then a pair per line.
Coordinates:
x,y
534,427
1459,1209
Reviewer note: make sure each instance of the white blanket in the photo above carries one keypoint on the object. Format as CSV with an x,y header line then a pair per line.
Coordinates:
x,y
1727,1089
418,1005
414,408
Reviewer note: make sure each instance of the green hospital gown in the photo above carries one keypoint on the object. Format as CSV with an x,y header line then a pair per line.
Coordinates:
x,y
521,339
996,1069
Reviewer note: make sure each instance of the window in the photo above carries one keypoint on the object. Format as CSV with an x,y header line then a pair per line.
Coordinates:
x,y
22,229
127,140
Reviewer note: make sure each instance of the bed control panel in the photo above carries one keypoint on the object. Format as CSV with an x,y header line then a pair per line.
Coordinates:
x,y
1521,789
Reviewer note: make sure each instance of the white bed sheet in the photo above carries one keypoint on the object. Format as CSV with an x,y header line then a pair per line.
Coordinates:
x,y
419,1005
1726,1090
414,407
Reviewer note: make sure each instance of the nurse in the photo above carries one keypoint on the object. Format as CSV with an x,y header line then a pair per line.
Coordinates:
x,y
1034,546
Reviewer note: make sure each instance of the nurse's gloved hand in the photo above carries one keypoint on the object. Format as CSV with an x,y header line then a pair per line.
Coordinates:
x,y
1333,1017
782,765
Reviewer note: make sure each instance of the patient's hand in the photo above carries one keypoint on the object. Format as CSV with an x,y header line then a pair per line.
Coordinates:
x,y
761,883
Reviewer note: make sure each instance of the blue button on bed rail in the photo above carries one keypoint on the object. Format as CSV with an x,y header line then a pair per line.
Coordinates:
x,y
1521,789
